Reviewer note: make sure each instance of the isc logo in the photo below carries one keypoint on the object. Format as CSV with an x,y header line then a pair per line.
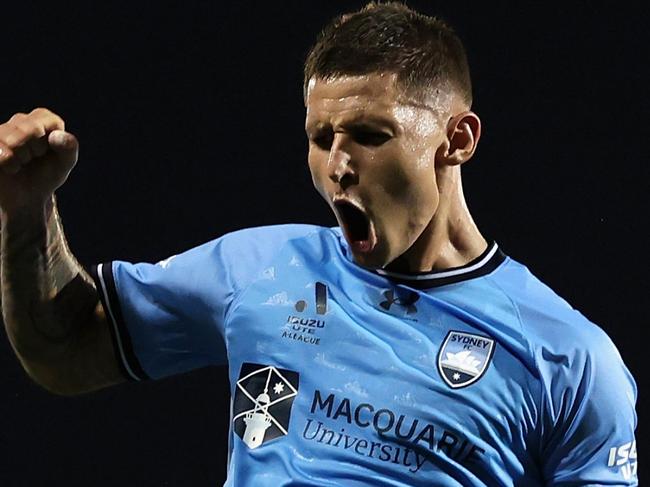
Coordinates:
x,y
624,456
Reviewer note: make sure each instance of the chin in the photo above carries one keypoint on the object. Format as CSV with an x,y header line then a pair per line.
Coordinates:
x,y
366,261
375,259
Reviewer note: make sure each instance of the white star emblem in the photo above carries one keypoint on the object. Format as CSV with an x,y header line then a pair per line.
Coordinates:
x,y
278,388
456,376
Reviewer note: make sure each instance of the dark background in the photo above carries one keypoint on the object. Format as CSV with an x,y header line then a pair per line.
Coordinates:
x,y
190,121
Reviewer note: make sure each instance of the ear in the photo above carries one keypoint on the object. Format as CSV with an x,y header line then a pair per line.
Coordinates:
x,y
463,133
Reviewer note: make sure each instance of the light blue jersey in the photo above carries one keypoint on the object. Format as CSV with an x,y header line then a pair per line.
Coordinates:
x,y
340,376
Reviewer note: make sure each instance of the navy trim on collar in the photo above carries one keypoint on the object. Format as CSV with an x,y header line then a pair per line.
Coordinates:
x,y
485,263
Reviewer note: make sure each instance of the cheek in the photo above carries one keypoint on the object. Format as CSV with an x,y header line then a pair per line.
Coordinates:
x,y
318,169
410,194
409,177
424,177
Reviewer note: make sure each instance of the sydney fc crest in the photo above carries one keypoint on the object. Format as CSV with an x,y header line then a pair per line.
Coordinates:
x,y
464,358
262,406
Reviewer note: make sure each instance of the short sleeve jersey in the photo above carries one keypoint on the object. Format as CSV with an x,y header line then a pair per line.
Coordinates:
x,y
342,376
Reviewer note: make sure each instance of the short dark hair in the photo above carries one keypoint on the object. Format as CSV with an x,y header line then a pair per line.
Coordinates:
x,y
390,37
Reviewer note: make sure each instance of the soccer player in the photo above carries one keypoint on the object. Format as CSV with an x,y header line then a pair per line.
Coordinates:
x,y
399,348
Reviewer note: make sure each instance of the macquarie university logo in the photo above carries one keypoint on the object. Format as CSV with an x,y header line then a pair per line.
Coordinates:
x,y
464,358
262,406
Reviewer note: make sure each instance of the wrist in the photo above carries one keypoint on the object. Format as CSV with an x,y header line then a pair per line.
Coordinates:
x,y
32,211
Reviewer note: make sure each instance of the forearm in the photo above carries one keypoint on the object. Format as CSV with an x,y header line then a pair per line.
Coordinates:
x,y
46,295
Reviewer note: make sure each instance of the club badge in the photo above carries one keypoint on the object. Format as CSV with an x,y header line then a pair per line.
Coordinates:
x,y
464,358
262,406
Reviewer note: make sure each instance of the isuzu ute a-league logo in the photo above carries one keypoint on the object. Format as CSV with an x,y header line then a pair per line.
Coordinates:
x,y
305,327
262,406
320,291
464,358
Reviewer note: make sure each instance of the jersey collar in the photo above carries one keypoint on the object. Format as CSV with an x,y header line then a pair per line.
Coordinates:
x,y
485,263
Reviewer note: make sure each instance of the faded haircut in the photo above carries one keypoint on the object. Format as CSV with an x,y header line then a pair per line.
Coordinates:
x,y
424,52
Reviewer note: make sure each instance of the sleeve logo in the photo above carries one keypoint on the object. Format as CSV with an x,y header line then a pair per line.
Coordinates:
x,y
624,458
262,405
464,358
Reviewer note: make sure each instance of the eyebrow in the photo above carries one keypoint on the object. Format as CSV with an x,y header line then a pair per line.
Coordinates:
x,y
361,121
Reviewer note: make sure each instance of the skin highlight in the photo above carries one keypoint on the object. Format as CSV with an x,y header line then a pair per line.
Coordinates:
x,y
398,159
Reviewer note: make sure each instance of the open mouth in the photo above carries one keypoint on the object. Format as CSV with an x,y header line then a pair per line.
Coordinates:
x,y
356,225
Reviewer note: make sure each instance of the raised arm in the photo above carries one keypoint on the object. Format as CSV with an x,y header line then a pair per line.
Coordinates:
x,y
50,306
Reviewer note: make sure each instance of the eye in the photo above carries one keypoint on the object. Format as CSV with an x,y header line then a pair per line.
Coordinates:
x,y
371,137
323,140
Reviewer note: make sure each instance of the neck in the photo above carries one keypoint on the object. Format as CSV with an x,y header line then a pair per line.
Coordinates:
x,y
451,239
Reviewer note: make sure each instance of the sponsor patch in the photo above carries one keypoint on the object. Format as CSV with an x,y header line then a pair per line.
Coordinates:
x,y
262,406
464,358
624,458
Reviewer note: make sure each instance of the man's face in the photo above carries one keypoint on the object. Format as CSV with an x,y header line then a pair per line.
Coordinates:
x,y
372,157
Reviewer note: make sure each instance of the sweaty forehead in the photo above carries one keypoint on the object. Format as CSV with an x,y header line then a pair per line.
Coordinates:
x,y
372,97
373,85
352,97
352,92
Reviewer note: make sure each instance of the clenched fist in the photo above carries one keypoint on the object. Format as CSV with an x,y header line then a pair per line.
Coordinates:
x,y
36,157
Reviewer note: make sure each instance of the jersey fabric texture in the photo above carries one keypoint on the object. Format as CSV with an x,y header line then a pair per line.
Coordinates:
x,y
342,376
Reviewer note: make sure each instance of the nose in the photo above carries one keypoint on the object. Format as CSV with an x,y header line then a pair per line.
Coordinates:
x,y
338,164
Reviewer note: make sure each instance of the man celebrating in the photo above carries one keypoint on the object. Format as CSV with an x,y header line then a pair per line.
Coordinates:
x,y
400,348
